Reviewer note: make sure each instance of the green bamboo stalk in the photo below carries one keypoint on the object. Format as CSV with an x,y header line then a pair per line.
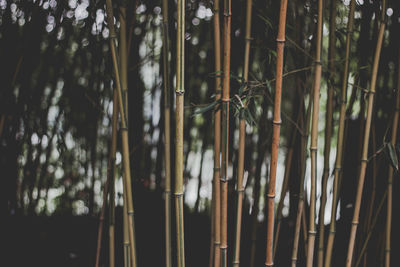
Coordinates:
x,y
328,132
242,136
364,158
180,60
124,129
276,132
340,143
167,136
314,138
217,141
391,171
225,133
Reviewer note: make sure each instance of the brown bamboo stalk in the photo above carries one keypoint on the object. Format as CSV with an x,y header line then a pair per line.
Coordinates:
x,y
217,140
242,137
276,132
101,219
300,206
124,129
167,136
390,175
364,158
340,143
225,133
179,92
314,138
328,132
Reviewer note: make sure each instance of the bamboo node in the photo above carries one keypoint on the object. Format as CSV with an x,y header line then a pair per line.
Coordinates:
x,y
180,194
354,222
248,39
179,91
318,62
280,40
277,122
123,128
364,160
314,233
270,195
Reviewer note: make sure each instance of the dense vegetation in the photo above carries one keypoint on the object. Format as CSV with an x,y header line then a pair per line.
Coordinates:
x,y
219,133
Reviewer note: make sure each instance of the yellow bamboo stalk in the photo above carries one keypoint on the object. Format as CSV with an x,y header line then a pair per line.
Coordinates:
x,y
242,137
328,132
124,82
167,136
314,138
217,140
180,56
225,133
124,129
340,143
364,158
390,175
276,132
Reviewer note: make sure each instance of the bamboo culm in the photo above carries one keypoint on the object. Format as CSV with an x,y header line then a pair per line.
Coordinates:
x,y
391,171
167,136
314,138
364,157
328,133
225,133
217,142
276,132
340,137
124,130
179,92
242,136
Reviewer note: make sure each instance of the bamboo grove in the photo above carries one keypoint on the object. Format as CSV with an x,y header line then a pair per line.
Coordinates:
x,y
200,133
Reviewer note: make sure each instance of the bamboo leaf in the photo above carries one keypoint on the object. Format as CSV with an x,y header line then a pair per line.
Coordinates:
x,y
206,108
391,153
266,20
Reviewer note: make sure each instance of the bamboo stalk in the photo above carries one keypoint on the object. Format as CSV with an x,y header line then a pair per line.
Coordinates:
x,y
124,130
167,136
276,132
124,82
364,158
390,175
314,138
286,176
225,133
340,143
101,219
328,132
242,136
180,56
369,234
300,206
217,140
111,228
127,254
